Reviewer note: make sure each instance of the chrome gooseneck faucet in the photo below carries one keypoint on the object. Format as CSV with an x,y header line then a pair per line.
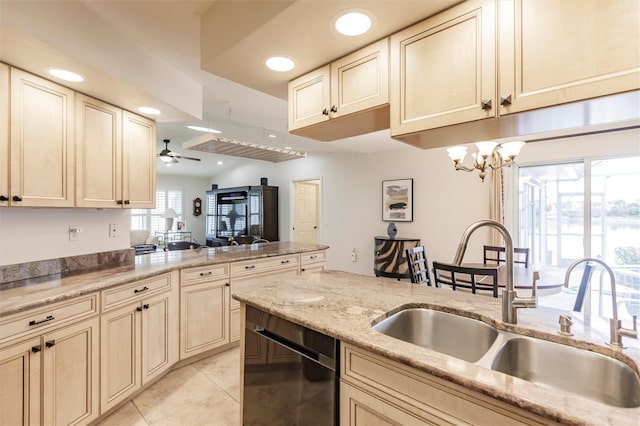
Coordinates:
x,y
510,300
616,329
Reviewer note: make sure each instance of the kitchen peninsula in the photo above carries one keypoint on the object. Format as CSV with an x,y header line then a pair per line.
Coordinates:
x,y
385,378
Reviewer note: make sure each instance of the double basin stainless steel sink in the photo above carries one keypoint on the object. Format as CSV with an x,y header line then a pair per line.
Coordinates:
x,y
570,369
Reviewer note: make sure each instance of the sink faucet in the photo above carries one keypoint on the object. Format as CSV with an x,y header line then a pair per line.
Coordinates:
x,y
616,329
511,302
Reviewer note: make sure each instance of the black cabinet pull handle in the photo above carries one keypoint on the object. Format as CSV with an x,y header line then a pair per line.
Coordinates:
x,y
4,198
50,343
249,266
202,274
145,306
119,201
145,288
127,202
325,112
227,284
35,349
138,309
315,256
334,108
284,262
47,319
16,198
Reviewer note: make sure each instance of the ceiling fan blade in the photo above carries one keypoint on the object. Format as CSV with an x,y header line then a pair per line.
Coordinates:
x,y
184,157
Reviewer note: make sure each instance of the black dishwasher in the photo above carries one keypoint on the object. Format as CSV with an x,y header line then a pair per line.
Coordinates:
x,y
290,373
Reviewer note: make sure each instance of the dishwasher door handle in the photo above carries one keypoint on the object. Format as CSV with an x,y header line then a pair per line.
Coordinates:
x,y
296,348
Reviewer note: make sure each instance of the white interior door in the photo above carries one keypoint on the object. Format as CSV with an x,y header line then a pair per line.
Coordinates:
x,y
305,227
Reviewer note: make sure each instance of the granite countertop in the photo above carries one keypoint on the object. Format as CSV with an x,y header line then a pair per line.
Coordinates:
x,y
25,294
345,306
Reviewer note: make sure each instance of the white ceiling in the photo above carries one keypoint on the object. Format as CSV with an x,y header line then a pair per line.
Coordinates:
x,y
157,53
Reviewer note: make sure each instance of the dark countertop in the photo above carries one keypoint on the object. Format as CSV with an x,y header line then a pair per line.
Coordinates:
x,y
26,294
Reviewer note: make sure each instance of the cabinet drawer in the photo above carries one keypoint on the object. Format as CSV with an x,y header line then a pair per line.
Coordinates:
x,y
423,393
203,273
264,264
40,319
313,257
121,295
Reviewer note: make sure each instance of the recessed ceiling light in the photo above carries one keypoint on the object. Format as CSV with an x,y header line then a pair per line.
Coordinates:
x,y
280,63
65,75
287,147
149,110
271,135
353,24
220,163
204,129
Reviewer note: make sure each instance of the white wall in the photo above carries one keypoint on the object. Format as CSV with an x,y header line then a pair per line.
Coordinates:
x,y
191,188
28,234
445,201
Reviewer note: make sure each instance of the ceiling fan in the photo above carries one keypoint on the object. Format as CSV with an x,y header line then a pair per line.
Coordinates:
x,y
169,157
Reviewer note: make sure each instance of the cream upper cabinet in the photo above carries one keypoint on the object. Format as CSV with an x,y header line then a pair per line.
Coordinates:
x,y
98,153
353,89
553,52
138,162
4,134
443,69
41,142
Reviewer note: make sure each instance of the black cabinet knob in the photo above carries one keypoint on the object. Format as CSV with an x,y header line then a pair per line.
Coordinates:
x,y
50,343
16,198
4,198
145,306
325,112
138,309
36,349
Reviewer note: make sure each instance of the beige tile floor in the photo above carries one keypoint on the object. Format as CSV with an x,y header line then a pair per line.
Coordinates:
x,y
203,393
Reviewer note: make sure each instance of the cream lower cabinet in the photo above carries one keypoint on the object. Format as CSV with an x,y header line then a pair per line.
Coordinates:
x,y
139,339
377,391
557,52
49,364
204,309
314,261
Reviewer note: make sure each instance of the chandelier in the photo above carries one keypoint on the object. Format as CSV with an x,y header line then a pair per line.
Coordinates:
x,y
485,157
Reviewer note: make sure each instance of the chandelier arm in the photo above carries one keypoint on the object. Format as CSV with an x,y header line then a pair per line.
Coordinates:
x,y
460,166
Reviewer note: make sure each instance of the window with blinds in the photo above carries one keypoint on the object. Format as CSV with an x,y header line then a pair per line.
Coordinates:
x,y
153,219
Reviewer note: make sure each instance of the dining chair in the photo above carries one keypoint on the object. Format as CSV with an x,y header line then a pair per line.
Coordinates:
x,y
418,265
476,279
497,254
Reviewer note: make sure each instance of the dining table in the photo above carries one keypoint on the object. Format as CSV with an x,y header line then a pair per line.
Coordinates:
x,y
523,277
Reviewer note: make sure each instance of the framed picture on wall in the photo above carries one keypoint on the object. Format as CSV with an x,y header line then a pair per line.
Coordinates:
x,y
182,226
397,200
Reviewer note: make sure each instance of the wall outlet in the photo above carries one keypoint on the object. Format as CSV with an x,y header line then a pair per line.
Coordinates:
x,y
354,257
74,232
112,230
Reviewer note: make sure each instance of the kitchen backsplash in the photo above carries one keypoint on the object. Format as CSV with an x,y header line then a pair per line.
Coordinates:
x,y
24,271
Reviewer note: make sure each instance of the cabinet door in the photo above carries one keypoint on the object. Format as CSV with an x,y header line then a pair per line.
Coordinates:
x,y
204,313
443,69
159,334
361,80
358,408
138,162
20,383
98,153
42,155
4,135
120,355
70,374
556,52
309,98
